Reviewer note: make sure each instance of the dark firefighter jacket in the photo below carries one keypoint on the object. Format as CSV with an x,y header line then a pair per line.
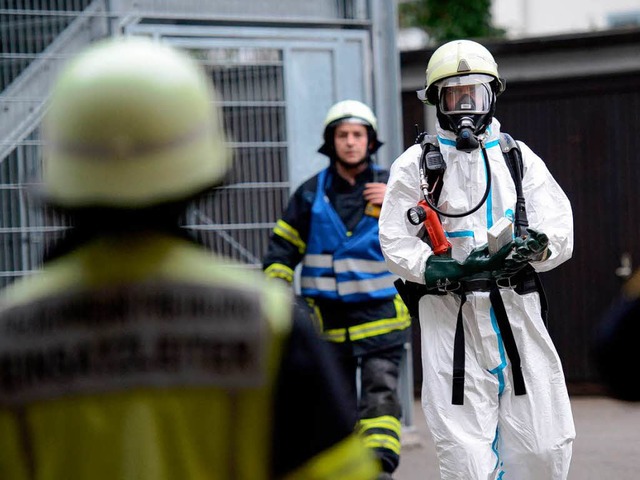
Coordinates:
x,y
338,228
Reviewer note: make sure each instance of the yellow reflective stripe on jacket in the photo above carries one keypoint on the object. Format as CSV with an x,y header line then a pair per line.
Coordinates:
x,y
379,327
348,460
386,421
366,330
401,309
290,234
372,329
278,270
337,335
380,440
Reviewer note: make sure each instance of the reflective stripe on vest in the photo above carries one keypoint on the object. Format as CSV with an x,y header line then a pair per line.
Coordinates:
x,y
342,265
401,321
366,266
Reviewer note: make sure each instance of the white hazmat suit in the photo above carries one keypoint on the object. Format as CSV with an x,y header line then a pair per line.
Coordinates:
x,y
494,434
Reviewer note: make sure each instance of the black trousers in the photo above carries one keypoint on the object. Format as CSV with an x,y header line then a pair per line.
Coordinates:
x,y
378,403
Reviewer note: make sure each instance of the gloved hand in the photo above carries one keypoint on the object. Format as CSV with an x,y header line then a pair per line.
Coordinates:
x,y
532,248
442,271
480,260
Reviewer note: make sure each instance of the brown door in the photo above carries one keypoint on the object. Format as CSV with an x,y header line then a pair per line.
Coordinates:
x,y
587,131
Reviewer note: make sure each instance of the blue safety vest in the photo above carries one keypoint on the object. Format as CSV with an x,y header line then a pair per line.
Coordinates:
x,y
343,265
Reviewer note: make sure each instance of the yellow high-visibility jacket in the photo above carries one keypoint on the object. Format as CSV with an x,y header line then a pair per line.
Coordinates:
x,y
145,357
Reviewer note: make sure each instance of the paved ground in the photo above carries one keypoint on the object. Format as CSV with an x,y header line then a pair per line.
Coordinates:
x,y
607,444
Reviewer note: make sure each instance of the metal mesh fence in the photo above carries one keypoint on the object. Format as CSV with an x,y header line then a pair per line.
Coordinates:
x,y
38,36
27,29
35,38
237,219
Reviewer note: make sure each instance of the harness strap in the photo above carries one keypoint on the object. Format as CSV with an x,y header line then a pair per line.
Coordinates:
x,y
508,339
530,281
457,393
513,158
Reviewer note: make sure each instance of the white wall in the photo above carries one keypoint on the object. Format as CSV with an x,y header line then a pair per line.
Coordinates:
x,y
528,18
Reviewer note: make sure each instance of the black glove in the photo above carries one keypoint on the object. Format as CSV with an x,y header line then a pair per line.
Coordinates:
x,y
532,248
442,271
535,246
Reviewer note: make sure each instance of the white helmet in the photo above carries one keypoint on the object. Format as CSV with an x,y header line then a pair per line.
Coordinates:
x,y
349,111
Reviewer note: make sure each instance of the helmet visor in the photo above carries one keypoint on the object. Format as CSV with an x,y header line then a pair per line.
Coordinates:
x,y
465,95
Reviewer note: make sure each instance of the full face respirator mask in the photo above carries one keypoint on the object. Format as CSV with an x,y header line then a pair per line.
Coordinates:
x,y
465,106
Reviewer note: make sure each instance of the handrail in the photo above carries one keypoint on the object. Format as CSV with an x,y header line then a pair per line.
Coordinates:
x,y
21,118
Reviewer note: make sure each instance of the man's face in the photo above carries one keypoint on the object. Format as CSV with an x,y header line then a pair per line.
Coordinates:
x,y
466,98
351,142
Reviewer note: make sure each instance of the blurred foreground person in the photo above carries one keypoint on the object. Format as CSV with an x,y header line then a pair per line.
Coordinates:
x,y
614,348
136,354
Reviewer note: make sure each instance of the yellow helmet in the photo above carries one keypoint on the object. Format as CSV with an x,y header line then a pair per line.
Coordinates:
x,y
457,58
130,125
352,111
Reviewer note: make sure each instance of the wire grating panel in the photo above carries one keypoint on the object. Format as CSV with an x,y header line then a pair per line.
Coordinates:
x,y
237,219
27,28
38,36
26,227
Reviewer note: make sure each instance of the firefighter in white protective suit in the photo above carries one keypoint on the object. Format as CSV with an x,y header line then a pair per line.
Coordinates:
x,y
494,393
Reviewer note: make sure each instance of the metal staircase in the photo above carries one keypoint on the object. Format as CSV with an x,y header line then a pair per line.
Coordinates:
x,y
22,100
34,45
